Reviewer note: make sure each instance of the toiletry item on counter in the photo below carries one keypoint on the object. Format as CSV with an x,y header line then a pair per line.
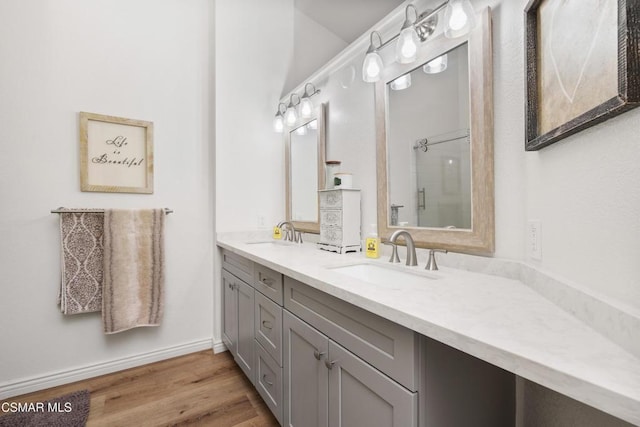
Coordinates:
x,y
372,243
332,167
342,180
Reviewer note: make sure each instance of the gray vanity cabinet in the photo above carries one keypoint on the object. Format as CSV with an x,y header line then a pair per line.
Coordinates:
x,y
238,312
327,385
306,381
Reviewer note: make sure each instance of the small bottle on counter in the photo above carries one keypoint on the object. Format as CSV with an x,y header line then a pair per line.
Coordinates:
x,y
372,243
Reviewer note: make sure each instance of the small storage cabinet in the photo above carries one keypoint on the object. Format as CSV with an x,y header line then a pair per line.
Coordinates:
x,y
339,220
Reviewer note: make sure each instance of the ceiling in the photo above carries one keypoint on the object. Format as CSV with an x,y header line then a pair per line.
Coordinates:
x,y
347,19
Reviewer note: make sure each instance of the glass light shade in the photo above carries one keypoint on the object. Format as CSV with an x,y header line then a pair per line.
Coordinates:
x,y
436,65
278,123
401,82
372,67
302,130
407,45
291,116
459,18
306,108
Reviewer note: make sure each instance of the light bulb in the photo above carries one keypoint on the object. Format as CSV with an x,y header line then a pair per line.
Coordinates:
x,y
407,45
278,124
459,18
306,108
371,67
291,117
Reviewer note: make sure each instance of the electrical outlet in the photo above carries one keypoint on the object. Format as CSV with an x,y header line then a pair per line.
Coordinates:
x,y
534,239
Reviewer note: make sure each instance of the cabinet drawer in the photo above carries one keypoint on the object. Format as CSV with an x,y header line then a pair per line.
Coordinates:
x,y
391,348
331,235
269,381
268,318
239,266
331,218
269,282
331,199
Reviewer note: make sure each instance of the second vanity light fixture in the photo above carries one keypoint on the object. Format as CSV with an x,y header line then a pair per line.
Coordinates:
x,y
459,20
302,106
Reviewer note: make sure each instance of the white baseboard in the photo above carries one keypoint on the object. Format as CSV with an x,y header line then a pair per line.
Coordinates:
x,y
219,347
29,385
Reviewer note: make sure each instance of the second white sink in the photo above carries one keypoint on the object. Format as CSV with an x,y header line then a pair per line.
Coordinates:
x,y
383,275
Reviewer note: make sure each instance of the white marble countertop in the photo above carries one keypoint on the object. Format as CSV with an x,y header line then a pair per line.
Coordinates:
x,y
499,320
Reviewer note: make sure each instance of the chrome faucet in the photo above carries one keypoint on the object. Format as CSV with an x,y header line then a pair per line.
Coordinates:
x,y
291,234
411,247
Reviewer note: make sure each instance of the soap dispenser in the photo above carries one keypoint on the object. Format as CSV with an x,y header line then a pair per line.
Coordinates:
x,y
372,243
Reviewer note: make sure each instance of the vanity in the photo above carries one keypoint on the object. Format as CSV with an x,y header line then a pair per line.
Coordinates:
x,y
322,340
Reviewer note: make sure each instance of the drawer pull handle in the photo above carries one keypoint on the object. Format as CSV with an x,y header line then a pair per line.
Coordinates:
x,y
329,364
267,324
318,354
267,281
265,380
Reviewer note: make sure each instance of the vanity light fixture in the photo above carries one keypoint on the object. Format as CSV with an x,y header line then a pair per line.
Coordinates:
x,y
278,122
306,106
436,65
459,17
459,20
291,115
372,65
402,82
407,44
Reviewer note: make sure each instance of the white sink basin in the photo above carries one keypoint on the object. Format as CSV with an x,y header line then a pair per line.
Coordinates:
x,y
272,243
384,275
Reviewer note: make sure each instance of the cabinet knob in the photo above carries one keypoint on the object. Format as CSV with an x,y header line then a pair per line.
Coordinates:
x,y
267,324
329,364
318,354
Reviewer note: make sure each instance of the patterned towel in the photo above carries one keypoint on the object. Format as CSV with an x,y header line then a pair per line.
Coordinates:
x,y
81,262
133,269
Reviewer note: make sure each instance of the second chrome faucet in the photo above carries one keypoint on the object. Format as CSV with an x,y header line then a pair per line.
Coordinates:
x,y
411,250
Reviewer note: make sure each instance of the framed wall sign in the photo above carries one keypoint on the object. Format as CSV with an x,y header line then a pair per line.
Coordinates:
x,y
583,65
116,154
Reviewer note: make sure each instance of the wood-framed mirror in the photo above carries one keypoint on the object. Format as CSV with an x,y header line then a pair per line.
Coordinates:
x,y
304,166
435,144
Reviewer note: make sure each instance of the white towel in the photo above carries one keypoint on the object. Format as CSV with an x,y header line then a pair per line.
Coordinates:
x,y
133,269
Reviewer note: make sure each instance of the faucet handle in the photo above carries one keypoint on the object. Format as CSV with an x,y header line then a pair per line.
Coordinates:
x,y
431,263
394,252
298,237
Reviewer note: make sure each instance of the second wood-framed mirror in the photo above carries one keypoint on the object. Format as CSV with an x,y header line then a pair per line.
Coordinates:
x,y
435,144
304,166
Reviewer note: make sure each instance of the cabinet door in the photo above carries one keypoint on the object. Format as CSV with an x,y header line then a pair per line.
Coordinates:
x,y
355,385
230,311
305,374
245,347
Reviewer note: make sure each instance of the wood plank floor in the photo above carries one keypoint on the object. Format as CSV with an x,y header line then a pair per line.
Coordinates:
x,y
199,389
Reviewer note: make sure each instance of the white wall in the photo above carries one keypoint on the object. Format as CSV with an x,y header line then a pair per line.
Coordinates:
x,y
145,60
251,68
313,46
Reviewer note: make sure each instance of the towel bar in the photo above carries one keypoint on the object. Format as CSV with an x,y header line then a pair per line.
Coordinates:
x,y
65,210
